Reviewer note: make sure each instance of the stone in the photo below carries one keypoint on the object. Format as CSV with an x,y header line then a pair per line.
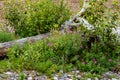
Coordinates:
x,y
107,75
61,71
77,72
96,78
114,79
55,78
9,73
29,78
65,75
89,79
105,79
66,79
78,77
69,76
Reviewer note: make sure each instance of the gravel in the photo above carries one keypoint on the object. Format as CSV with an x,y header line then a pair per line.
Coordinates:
x,y
74,75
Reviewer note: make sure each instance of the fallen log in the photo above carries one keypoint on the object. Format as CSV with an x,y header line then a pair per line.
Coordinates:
x,y
23,40
5,45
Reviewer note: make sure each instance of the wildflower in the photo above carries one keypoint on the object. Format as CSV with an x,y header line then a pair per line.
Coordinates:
x,y
70,31
110,60
99,64
9,31
85,0
49,44
81,46
95,62
83,63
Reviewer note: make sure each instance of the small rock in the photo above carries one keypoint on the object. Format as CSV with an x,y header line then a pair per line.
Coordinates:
x,y
55,78
26,73
39,78
78,77
89,79
118,75
73,72
65,75
44,77
12,78
61,71
69,76
77,72
96,78
29,78
114,79
107,75
9,73
66,79
105,79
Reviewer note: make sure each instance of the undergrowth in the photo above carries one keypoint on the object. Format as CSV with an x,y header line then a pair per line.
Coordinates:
x,y
64,52
95,51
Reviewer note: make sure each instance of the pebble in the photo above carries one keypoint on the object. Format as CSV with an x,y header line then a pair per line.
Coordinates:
x,y
89,79
8,73
96,78
78,77
114,79
29,78
37,78
77,72
55,78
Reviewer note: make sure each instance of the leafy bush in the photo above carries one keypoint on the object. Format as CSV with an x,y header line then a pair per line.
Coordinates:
x,y
45,54
33,17
66,52
4,36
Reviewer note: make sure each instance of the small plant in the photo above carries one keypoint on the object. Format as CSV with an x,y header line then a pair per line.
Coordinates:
x,y
21,76
3,65
4,36
93,76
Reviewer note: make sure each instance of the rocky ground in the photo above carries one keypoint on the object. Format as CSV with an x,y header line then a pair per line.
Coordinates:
x,y
74,75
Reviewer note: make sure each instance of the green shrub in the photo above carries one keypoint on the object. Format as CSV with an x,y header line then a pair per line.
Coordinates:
x,y
45,54
33,17
66,52
4,37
